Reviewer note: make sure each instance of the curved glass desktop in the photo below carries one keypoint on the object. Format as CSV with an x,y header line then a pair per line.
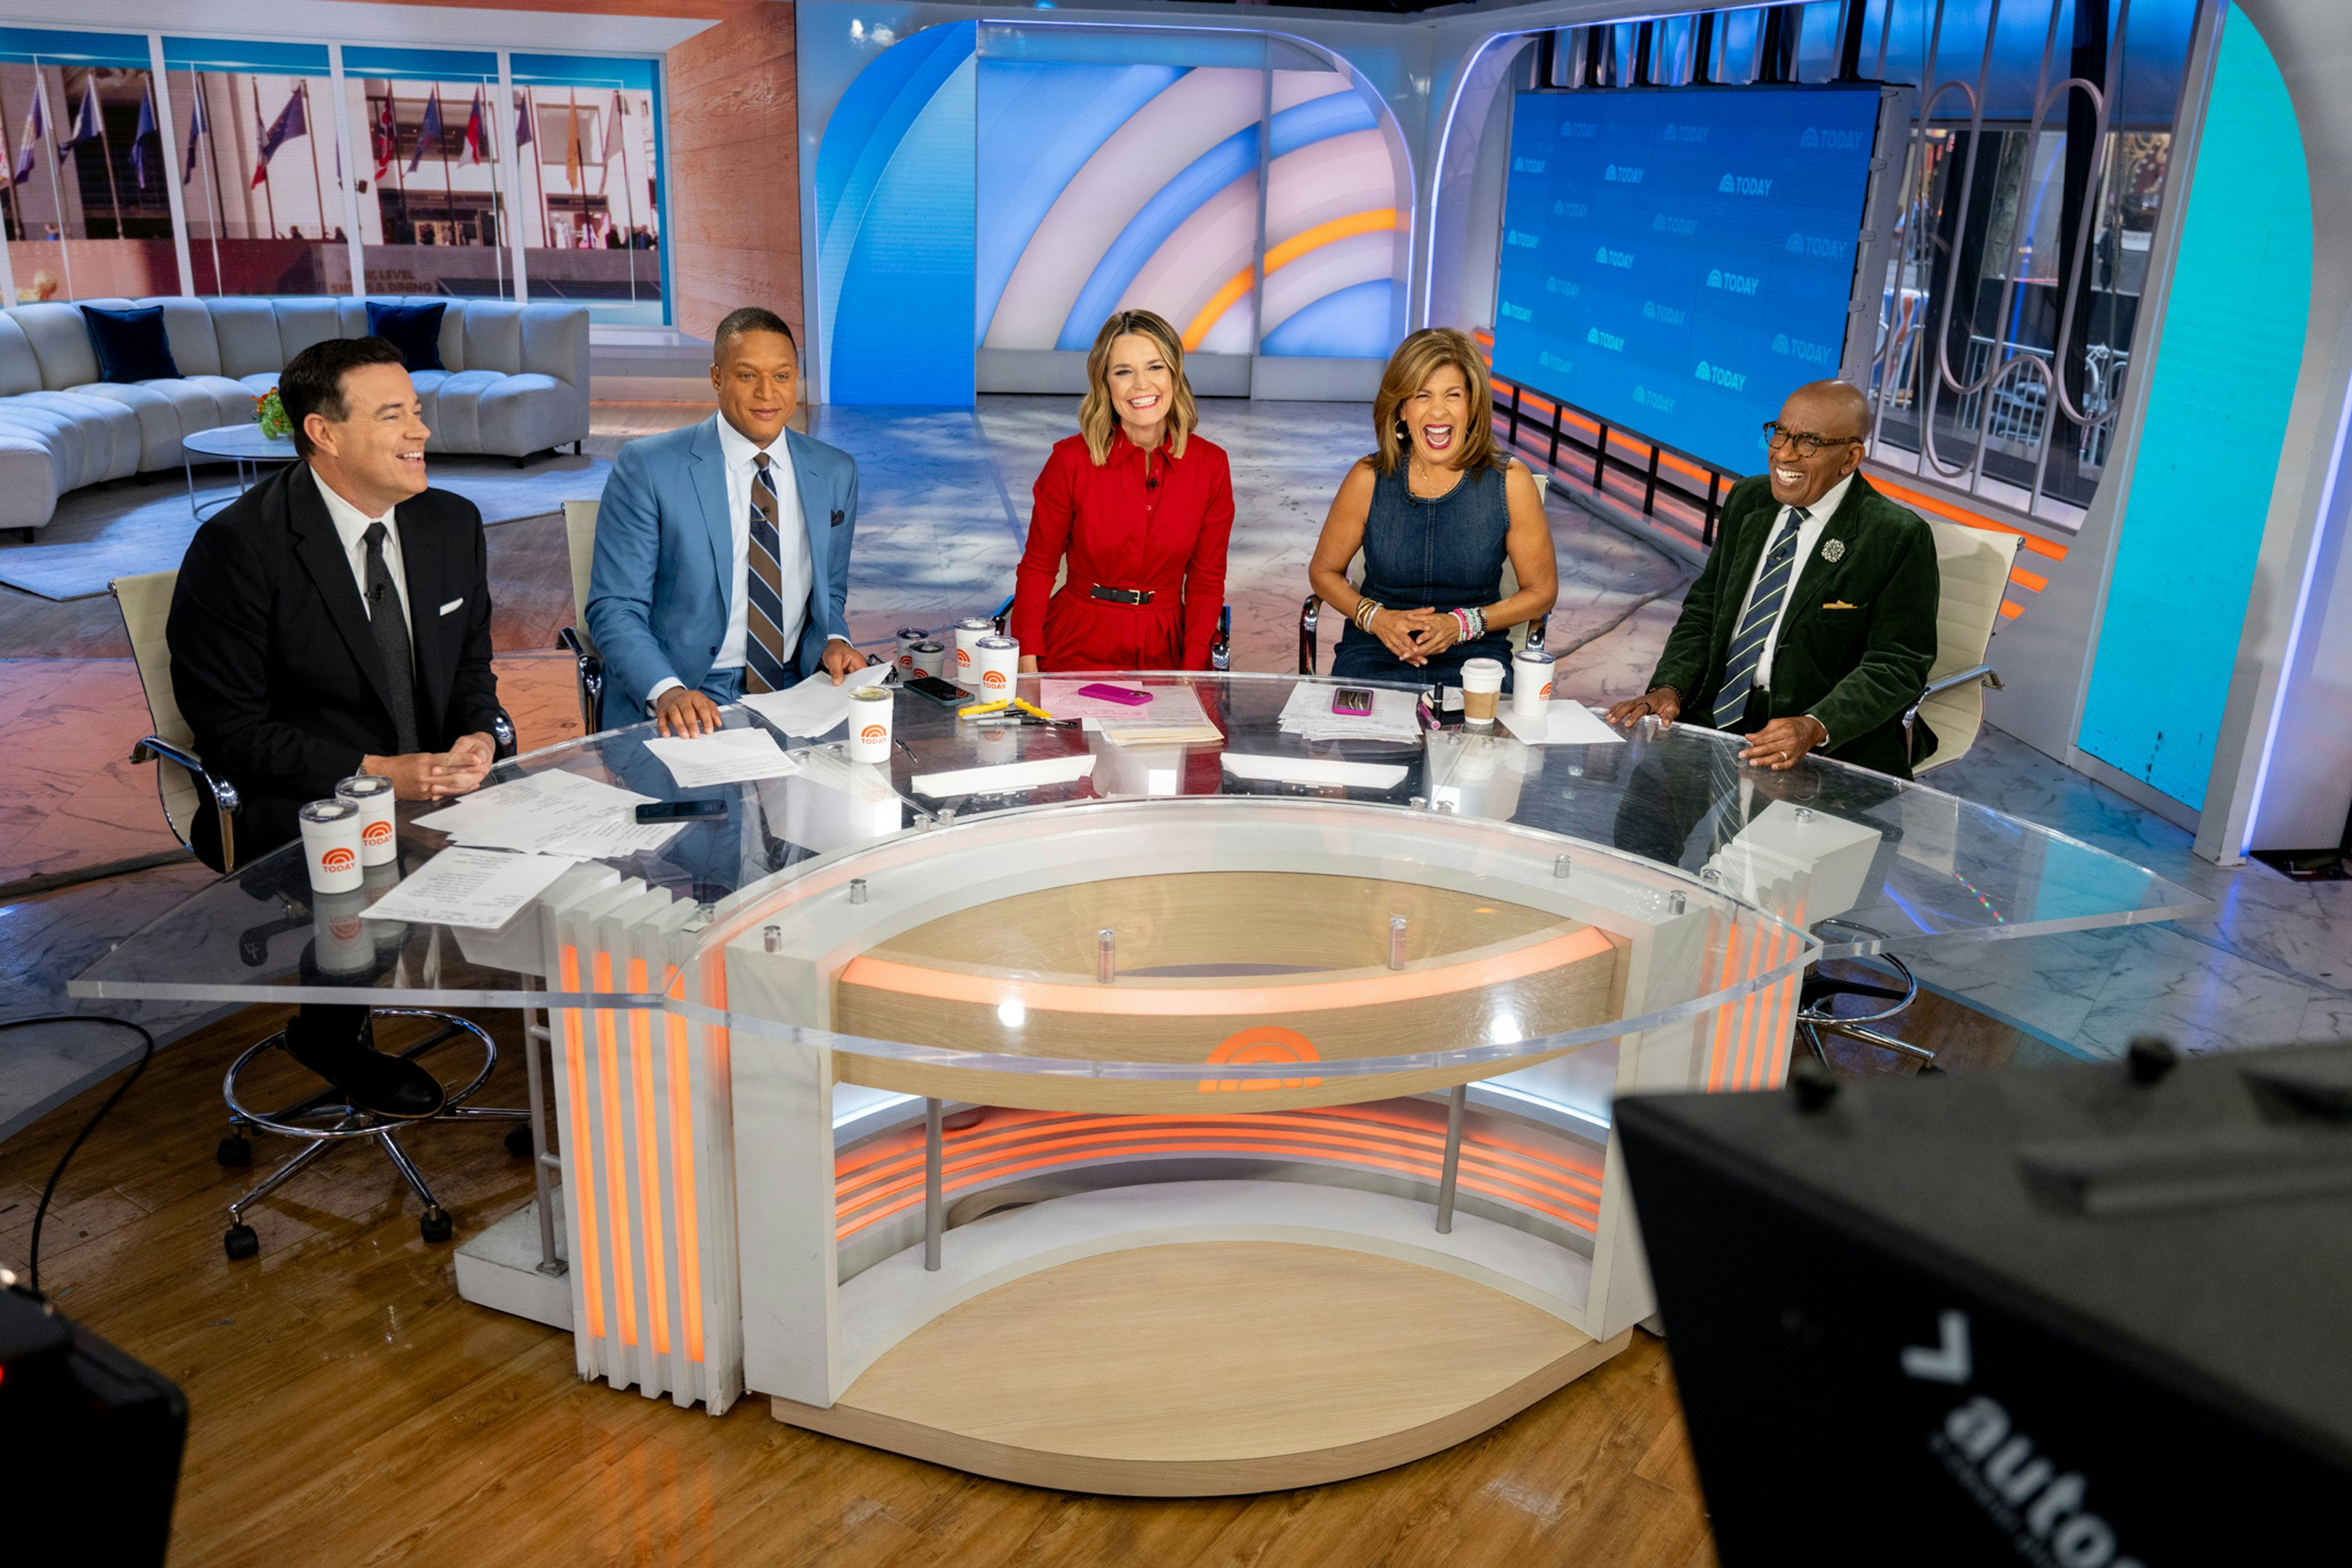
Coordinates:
x,y
1195,1048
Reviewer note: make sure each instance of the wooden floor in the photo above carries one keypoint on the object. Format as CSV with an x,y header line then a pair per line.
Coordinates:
x,y
348,1408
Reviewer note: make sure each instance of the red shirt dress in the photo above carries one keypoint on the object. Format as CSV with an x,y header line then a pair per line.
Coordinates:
x,y
1143,520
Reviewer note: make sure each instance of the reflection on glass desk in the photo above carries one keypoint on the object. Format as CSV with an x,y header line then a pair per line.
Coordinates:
x,y
1135,1033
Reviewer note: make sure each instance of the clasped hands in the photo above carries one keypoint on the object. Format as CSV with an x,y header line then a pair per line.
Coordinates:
x,y
436,775
1414,635
1778,745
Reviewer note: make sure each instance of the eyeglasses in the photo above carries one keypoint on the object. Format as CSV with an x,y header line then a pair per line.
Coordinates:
x,y
1805,442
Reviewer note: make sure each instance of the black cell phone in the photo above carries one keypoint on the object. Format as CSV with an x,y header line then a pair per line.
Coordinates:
x,y
679,810
937,689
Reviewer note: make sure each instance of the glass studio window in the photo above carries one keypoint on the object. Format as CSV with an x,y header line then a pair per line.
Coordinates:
x,y
82,168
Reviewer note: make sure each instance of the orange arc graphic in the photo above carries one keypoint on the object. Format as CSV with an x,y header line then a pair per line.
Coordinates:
x,y
1280,256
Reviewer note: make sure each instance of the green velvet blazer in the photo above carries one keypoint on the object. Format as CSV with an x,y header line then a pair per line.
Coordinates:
x,y
1859,635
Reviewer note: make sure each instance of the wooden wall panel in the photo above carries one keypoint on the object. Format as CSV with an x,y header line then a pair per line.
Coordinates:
x,y
734,160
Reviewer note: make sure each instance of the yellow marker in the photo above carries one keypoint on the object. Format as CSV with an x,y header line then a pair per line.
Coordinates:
x,y
1028,707
978,708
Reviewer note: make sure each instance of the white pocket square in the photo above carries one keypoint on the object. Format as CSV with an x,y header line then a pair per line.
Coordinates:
x,y
451,605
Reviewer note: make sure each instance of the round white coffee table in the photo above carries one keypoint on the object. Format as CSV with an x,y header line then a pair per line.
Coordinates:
x,y
243,445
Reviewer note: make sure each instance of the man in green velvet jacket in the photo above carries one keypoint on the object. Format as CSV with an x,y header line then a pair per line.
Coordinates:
x,y
1812,625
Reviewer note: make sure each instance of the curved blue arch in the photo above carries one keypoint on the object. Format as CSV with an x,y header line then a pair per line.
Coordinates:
x,y
1347,323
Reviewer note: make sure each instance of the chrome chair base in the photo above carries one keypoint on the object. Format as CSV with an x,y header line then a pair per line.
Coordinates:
x,y
324,1120
1818,1014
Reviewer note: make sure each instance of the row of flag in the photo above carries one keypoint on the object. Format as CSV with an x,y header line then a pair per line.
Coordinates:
x,y
294,121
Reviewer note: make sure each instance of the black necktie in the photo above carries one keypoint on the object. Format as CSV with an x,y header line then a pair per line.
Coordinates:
x,y
391,630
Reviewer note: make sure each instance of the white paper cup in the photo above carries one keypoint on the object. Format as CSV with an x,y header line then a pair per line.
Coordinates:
x,y
1531,676
967,650
340,941
331,844
372,795
909,638
871,709
931,659
999,660
1482,684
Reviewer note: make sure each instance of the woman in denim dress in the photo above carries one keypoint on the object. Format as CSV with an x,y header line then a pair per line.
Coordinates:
x,y
1435,511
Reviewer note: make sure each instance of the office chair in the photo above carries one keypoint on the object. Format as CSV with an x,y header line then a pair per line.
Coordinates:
x,y
184,786
588,665
1974,563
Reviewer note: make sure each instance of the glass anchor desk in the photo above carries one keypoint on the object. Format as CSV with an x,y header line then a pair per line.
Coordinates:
x,y
1166,1120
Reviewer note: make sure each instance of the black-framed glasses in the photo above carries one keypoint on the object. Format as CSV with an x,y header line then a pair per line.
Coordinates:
x,y
1806,442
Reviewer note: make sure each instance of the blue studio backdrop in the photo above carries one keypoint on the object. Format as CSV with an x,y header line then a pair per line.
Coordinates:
x,y
1677,261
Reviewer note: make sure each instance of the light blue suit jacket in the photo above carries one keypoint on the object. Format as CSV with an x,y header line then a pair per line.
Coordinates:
x,y
658,593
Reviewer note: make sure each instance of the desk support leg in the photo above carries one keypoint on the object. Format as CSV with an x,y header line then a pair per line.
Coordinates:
x,y
932,1214
1452,1159
538,1036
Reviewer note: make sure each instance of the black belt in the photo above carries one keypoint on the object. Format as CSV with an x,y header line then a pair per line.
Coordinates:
x,y
1121,595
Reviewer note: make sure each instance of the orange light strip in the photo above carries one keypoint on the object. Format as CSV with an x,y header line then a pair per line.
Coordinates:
x,y
2034,581
682,1185
1124,1001
1720,1048
583,1160
1919,501
617,1200
1541,405
649,1204
1377,221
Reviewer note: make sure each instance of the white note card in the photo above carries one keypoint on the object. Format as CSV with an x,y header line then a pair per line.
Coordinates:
x,y
480,889
723,756
815,706
1564,724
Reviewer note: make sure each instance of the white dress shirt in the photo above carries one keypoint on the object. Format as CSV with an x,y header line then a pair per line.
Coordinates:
x,y
795,567
351,526
1809,533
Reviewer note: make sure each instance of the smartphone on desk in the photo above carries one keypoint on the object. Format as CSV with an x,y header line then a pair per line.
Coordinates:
x,y
1352,701
1125,695
939,690
680,810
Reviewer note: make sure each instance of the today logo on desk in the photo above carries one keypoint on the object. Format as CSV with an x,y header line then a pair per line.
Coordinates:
x,y
338,860
873,732
376,833
993,679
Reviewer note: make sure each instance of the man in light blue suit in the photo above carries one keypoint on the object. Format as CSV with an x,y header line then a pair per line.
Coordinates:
x,y
722,548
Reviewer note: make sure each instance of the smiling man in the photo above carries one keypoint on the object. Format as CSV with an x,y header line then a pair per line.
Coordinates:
x,y
335,620
1813,626
723,548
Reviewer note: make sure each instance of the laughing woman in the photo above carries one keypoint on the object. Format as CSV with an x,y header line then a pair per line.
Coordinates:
x,y
1435,510
1137,508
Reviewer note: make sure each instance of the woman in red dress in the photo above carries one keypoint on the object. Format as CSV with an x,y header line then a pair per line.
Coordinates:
x,y
1133,513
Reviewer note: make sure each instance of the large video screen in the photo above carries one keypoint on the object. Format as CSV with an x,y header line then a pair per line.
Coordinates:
x,y
1678,261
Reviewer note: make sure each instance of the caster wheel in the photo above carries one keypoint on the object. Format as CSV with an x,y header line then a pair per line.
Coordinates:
x,y
434,1226
240,1243
236,1151
518,1141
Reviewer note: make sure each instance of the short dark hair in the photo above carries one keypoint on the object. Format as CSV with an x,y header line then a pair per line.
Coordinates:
x,y
312,381
747,319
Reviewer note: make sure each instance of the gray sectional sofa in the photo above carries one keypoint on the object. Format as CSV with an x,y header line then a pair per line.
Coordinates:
x,y
517,382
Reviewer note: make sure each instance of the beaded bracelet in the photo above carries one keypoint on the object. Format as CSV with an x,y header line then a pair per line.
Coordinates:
x,y
1462,620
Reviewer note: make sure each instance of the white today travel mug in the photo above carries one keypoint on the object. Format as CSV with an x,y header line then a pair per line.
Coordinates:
x,y
331,844
1482,687
372,795
967,650
340,941
999,662
1531,678
909,638
931,659
870,710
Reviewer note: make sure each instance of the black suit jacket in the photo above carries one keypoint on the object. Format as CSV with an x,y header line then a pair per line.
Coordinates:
x,y
273,663
1858,637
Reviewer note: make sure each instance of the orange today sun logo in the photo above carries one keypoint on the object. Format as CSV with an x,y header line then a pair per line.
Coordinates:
x,y
873,732
338,859
377,833
1263,1043
994,680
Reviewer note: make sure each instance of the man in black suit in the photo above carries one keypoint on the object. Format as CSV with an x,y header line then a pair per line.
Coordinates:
x,y
336,620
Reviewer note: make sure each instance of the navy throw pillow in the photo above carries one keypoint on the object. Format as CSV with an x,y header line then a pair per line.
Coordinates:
x,y
414,330
130,343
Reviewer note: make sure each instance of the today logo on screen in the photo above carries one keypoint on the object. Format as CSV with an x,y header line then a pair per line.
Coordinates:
x,y
1690,134
1551,360
1571,209
1609,340
1715,375
1644,396
1801,349
1819,245
1515,313
1567,288
1624,174
1523,239
1732,282
1826,138
1653,311
1608,258
1668,223
1527,166
1743,186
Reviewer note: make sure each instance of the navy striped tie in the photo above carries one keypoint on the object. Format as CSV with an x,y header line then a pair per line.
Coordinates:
x,y
1763,609
766,661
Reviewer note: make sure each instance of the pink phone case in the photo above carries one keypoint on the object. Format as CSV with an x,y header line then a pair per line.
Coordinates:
x,y
1116,694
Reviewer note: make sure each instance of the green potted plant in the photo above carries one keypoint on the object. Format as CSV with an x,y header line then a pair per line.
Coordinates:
x,y
270,414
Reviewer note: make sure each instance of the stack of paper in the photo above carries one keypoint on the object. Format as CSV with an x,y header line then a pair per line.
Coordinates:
x,y
1308,714
1173,717
815,706
1563,724
478,889
723,756
554,813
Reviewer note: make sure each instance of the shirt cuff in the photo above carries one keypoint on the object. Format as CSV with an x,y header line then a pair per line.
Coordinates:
x,y
660,686
1823,743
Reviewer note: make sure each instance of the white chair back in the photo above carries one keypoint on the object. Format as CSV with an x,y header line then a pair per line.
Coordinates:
x,y
1975,564
579,533
145,601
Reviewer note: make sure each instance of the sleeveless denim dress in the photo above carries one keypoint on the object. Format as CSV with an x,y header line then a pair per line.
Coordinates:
x,y
1445,554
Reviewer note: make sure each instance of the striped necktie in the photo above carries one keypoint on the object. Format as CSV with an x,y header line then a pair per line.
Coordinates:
x,y
1763,610
767,665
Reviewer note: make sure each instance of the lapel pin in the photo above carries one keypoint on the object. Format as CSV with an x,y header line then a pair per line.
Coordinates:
x,y
1834,551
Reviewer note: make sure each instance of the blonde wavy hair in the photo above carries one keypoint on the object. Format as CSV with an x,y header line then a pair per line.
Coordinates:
x,y
1097,421
1419,357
